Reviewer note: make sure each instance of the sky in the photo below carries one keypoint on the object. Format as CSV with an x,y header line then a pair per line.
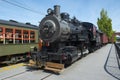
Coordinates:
x,y
83,10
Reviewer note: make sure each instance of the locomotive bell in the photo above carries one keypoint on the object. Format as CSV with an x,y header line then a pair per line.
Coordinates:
x,y
50,11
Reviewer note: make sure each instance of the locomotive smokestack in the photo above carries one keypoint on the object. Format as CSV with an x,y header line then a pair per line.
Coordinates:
x,y
57,10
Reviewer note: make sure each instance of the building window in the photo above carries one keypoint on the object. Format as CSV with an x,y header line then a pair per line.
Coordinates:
x,y
25,34
32,34
1,29
1,35
18,34
8,35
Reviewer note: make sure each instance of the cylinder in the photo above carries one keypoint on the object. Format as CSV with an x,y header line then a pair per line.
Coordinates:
x,y
57,10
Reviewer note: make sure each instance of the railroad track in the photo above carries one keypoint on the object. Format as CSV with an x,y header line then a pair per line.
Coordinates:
x,y
13,77
21,71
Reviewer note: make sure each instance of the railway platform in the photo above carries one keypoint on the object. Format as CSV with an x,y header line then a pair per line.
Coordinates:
x,y
100,65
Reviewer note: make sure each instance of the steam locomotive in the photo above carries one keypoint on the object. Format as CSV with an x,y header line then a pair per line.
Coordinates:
x,y
65,39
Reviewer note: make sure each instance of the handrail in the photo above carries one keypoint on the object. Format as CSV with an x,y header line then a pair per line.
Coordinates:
x,y
117,45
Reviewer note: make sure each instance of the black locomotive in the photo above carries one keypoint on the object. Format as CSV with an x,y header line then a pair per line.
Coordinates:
x,y
65,39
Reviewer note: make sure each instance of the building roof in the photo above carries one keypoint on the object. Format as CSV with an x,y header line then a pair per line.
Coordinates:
x,y
18,24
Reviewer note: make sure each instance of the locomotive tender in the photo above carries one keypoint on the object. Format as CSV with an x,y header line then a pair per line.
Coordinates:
x,y
64,39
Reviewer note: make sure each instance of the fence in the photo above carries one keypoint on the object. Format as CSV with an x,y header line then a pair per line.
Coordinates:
x,y
117,45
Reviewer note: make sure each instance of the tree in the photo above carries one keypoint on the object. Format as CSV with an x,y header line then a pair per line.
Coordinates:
x,y
114,37
105,24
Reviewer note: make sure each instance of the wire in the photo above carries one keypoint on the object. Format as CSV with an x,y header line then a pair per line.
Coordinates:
x,y
23,7
21,4
17,2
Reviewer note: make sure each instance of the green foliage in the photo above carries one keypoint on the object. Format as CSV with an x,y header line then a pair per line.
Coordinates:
x,y
115,39
105,24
